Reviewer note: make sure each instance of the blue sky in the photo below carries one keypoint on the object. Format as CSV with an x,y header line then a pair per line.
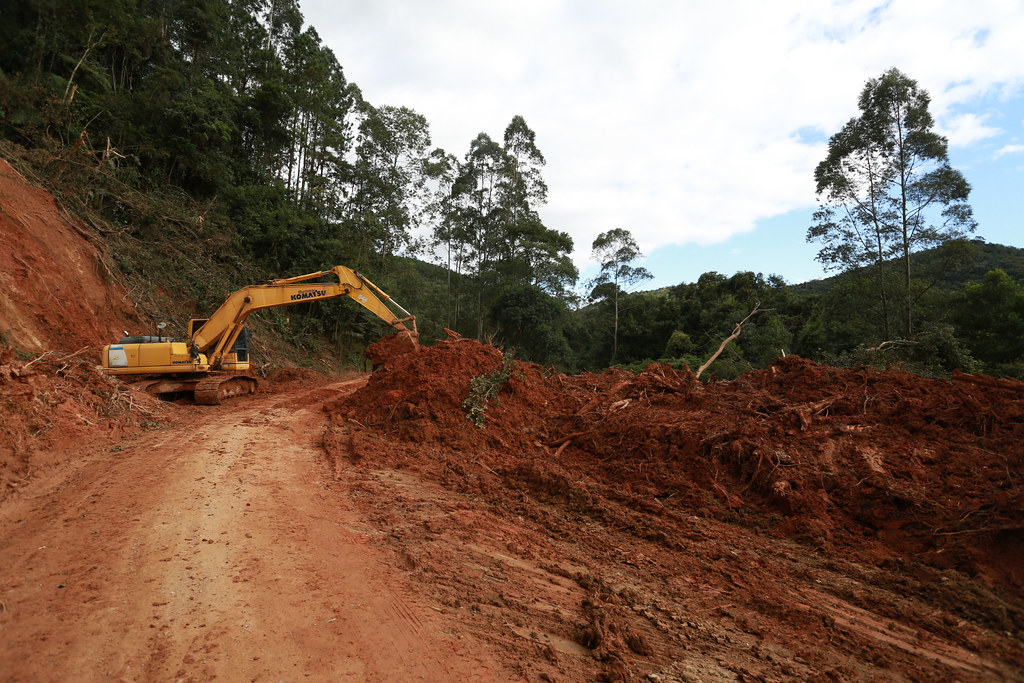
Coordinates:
x,y
695,125
777,244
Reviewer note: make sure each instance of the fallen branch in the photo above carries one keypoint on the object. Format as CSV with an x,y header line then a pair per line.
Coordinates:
x,y
568,437
72,355
892,342
603,397
62,359
36,360
735,333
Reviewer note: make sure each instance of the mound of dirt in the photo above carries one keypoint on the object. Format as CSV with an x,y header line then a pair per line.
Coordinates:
x,y
390,347
420,397
884,464
52,406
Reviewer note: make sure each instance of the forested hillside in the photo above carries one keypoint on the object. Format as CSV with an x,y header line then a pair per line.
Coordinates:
x,y
211,144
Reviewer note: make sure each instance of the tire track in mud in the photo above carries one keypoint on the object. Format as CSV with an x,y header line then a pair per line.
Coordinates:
x,y
217,553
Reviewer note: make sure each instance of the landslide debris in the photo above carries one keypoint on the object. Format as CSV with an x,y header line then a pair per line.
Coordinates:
x,y
58,306
884,466
801,522
53,405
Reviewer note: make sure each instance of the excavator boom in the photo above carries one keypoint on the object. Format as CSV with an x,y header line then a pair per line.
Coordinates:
x,y
217,335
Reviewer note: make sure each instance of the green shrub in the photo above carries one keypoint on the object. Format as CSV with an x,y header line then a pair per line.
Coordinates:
x,y
484,388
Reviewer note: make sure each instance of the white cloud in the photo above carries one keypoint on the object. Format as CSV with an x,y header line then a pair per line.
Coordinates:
x,y
1009,149
967,129
678,121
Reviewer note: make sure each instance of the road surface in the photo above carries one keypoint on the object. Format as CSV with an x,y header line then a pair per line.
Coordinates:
x,y
212,549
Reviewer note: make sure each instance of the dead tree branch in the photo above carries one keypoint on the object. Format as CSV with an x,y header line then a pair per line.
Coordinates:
x,y
892,342
735,333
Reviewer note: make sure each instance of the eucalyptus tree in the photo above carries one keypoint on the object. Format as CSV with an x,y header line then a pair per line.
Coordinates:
x,y
257,77
390,196
523,188
886,190
480,215
322,119
445,173
532,253
615,251
490,218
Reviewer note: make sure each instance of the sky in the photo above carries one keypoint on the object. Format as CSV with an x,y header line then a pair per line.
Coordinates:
x,y
694,125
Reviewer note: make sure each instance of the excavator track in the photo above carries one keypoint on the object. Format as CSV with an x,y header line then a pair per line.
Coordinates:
x,y
212,390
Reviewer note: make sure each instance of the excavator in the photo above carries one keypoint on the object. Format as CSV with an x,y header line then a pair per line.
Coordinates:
x,y
207,360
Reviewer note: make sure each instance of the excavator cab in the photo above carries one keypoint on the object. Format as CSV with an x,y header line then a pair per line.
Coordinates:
x,y
237,357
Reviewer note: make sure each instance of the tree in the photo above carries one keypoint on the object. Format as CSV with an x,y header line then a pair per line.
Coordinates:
x,y
531,252
990,319
390,174
522,187
480,215
529,320
886,189
615,251
487,217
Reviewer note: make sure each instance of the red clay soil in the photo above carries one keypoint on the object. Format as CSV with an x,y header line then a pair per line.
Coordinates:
x,y
58,306
55,291
907,488
388,347
54,403
889,463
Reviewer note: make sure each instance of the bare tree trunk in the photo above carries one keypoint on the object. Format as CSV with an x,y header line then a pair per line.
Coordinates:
x,y
735,333
615,327
480,313
887,332
906,284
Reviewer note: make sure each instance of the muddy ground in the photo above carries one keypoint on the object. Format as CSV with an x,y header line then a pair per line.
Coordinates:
x,y
601,527
800,522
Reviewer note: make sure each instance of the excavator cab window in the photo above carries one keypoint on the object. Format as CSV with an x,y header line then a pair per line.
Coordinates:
x,y
241,347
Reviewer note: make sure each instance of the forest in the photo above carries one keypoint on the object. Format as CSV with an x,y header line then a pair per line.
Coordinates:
x,y
215,143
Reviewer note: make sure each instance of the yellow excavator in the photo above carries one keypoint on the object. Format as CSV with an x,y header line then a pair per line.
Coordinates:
x,y
206,362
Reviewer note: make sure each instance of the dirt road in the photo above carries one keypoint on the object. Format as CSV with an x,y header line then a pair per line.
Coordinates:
x,y
211,549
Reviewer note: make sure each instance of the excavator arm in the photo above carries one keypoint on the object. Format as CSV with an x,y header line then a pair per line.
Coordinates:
x,y
217,335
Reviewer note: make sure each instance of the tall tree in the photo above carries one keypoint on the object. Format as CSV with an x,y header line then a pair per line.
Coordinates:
x,y
887,190
615,251
446,174
480,215
523,189
490,220
533,254
390,177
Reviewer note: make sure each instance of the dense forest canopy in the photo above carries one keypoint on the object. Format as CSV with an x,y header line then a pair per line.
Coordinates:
x,y
213,143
